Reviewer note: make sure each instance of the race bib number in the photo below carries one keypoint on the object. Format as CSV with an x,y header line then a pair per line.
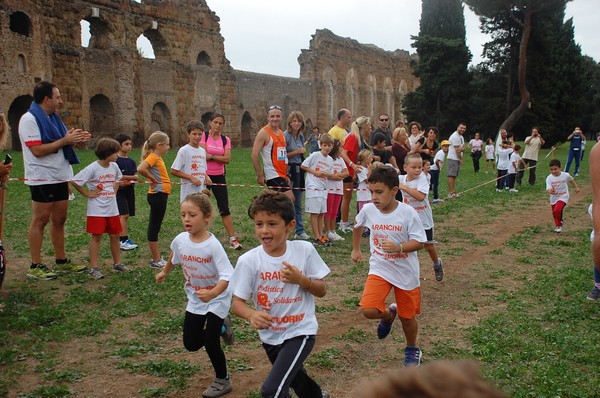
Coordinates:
x,y
282,154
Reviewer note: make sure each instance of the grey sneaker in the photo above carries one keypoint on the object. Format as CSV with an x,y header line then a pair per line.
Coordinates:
x,y
96,273
303,236
157,264
120,267
438,269
227,334
594,294
218,388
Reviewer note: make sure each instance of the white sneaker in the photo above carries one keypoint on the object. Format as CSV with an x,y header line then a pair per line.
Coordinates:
x,y
303,236
558,229
126,246
158,264
513,190
345,227
333,236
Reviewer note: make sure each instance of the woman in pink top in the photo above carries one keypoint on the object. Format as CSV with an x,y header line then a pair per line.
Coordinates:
x,y
218,154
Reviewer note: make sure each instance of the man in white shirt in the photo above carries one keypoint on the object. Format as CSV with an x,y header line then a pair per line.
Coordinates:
x,y
533,143
455,157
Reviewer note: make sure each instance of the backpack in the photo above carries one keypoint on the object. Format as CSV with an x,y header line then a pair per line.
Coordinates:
x,y
224,139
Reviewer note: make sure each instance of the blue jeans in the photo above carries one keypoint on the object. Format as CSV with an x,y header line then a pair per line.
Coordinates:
x,y
573,155
297,179
435,182
501,182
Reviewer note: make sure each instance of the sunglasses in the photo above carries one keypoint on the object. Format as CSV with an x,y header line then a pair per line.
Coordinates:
x,y
274,107
383,120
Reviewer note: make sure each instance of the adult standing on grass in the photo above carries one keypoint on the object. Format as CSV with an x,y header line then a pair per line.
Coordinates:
x,y
218,153
355,142
340,130
270,144
47,156
533,143
576,138
476,145
455,157
294,145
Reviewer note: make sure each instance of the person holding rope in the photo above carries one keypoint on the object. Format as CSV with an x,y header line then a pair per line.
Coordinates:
x,y
47,156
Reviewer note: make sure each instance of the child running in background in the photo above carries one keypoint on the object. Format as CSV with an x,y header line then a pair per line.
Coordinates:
x,y
335,190
502,167
595,292
436,168
282,277
513,168
396,235
153,168
490,155
190,162
558,188
363,195
102,181
319,168
207,270
415,191
126,192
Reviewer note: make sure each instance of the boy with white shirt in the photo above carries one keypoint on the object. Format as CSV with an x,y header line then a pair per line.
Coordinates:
x,y
396,235
415,192
513,168
558,188
502,165
318,167
282,277
190,163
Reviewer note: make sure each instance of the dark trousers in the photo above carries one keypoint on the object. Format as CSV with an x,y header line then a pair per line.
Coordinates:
x,y
435,182
297,178
501,182
288,369
196,336
532,165
510,180
476,156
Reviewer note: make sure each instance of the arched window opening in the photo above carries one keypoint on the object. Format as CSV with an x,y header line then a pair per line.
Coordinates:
x,y
20,23
17,108
95,33
204,59
246,130
22,68
152,45
102,116
160,119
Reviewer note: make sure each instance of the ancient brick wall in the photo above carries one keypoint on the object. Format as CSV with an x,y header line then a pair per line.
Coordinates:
x,y
109,87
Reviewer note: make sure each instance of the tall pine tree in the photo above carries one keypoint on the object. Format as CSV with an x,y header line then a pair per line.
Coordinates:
x,y
443,97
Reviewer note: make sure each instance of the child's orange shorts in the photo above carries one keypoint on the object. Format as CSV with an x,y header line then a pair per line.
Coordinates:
x,y
103,225
377,289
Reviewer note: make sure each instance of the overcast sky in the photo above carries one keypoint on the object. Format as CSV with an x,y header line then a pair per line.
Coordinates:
x,y
266,36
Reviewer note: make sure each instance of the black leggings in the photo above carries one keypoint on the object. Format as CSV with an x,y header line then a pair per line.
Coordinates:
x,y
220,192
196,336
158,208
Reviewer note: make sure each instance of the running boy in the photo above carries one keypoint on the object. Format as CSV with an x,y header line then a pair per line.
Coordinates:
x,y
126,193
282,277
415,191
557,187
102,181
319,167
396,235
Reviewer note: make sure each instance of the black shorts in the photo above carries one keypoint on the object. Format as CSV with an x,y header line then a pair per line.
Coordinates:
x,y
126,201
429,235
278,184
49,193
348,179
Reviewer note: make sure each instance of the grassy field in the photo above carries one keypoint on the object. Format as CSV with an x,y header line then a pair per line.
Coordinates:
x,y
522,306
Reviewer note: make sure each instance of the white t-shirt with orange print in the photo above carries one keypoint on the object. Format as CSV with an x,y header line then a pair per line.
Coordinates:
x,y
422,207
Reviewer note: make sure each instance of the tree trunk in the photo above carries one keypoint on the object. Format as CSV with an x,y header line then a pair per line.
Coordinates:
x,y
516,114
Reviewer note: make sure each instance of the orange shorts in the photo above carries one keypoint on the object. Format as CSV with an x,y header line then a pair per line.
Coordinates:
x,y
103,225
377,289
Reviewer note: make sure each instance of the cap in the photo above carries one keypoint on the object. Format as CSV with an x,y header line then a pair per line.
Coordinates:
x,y
445,142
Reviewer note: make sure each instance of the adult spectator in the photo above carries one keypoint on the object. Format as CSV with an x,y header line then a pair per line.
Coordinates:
x,y
476,146
294,144
384,128
427,145
47,156
455,157
533,143
313,140
340,130
400,147
218,154
355,142
576,138
270,144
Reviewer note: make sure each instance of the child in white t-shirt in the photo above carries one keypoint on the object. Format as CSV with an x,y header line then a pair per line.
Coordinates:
x,y
319,168
502,167
558,188
415,193
282,277
190,162
396,235
335,190
363,195
436,168
102,180
513,168
207,270
490,156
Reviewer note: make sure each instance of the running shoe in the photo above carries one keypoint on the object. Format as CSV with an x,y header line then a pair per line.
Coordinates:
x,y
157,264
385,326
41,272
303,236
218,388
235,244
438,269
120,267
96,273
125,246
412,356
594,294
67,266
227,332
334,237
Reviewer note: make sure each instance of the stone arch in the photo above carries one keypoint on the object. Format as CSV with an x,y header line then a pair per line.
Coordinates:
x,y
160,119
157,42
372,93
403,88
17,108
20,23
99,33
246,129
352,91
330,81
204,59
102,116
388,89
21,64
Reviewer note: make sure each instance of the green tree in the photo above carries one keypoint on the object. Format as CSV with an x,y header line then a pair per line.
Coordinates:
x,y
443,97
